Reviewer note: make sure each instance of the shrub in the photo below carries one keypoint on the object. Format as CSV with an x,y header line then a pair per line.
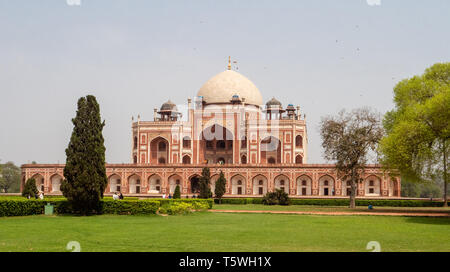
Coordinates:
x,y
200,206
166,201
270,199
177,208
279,197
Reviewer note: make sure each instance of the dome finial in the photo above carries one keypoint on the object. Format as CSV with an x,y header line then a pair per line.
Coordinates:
x,y
229,62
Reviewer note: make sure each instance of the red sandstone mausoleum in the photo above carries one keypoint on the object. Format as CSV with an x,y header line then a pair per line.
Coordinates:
x,y
259,148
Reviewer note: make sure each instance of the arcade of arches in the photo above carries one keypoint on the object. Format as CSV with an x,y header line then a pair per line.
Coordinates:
x,y
296,182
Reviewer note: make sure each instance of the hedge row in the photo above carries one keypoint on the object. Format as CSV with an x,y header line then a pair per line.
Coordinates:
x,y
241,201
340,202
33,207
22,207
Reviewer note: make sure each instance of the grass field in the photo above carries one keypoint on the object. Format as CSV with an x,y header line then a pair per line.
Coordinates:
x,y
306,208
207,231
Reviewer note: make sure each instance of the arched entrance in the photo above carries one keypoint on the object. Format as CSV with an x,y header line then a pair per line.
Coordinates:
x,y
155,184
326,186
194,183
304,185
282,183
217,145
372,186
213,183
271,150
159,151
174,181
134,184
238,185
56,181
259,185
114,183
39,182
186,159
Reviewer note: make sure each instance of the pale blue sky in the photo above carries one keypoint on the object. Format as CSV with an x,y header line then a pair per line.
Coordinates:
x,y
134,55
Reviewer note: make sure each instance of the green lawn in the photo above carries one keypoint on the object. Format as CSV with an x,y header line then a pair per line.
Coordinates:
x,y
308,208
206,231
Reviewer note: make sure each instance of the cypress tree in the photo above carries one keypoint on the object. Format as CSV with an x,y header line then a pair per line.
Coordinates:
x,y
177,193
30,188
85,171
205,179
219,190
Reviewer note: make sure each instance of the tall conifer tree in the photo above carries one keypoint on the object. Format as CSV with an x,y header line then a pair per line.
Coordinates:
x,y
205,179
220,189
85,172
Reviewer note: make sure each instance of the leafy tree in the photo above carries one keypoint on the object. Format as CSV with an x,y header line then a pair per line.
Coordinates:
x,y
347,140
9,178
418,128
205,180
220,189
30,190
85,170
424,189
177,193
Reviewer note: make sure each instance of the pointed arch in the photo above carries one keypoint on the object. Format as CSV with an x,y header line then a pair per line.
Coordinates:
x,y
55,182
270,150
134,184
238,185
186,159
326,185
194,184
40,182
159,150
175,180
299,141
186,142
115,183
260,183
304,185
214,179
244,159
282,182
372,185
216,144
154,184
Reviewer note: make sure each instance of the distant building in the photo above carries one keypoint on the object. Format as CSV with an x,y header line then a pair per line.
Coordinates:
x,y
259,148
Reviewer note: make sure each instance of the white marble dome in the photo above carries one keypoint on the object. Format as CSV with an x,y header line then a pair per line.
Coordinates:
x,y
221,88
